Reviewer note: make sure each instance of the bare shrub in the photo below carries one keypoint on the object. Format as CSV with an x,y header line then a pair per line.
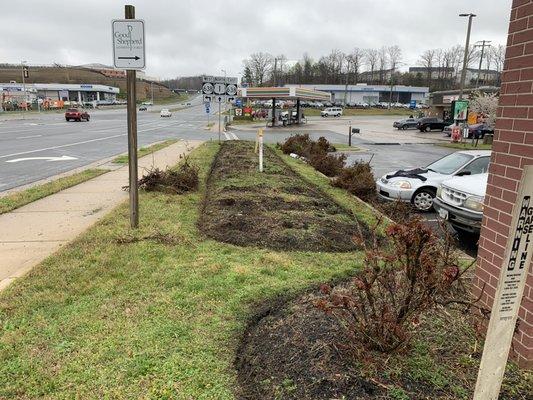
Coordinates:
x,y
358,179
180,180
297,144
328,164
381,306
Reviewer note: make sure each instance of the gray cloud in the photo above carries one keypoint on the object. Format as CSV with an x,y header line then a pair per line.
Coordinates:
x,y
186,37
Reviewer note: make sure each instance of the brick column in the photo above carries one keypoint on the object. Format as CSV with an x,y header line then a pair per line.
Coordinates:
x,y
512,150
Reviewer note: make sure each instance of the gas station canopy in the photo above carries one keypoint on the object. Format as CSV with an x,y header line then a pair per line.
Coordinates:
x,y
284,93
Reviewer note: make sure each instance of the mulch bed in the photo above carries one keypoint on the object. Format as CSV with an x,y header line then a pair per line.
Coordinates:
x,y
275,209
292,350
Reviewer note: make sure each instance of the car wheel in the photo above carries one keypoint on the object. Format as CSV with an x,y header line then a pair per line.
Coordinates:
x,y
79,119
427,129
423,199
87,119
67,119
404,127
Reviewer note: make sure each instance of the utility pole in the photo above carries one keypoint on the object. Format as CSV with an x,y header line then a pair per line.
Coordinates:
x,y
131,76
484,43
465,59
23,70
275,72
152,90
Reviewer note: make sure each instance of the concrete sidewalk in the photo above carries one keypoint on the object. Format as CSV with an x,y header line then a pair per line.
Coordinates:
x,y
31,233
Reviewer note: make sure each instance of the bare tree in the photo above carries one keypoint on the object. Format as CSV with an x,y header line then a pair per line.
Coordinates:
x,y
353,64
427,60
382,63
260,65
498,56
371,59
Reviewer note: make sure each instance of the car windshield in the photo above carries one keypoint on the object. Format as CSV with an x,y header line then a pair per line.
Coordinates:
x,y
449,164
72,110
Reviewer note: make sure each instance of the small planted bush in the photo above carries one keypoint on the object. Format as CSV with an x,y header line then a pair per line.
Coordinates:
x,y
297,144
358,179
180,180
328,164
381,306
316,152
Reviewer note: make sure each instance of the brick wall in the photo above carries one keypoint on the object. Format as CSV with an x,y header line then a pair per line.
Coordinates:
x,y
512,150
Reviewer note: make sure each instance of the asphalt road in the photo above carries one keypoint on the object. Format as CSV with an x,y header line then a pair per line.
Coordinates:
x,y
78,144
23,142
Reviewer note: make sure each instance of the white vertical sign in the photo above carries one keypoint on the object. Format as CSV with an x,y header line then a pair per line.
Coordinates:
x,y
128,44
513,276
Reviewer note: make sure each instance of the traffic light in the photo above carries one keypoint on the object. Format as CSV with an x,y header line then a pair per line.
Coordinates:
x,y
25,72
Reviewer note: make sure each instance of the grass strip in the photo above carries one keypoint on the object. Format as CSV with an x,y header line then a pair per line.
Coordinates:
x,y
146,317
19,199
348,112
123,158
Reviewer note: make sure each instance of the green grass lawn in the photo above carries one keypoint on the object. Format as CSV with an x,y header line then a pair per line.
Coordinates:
x,y
347,112
466,145
19,199
345,147
123,158
154,319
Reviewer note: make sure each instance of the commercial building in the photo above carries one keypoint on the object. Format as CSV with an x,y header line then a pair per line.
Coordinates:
x,y
370,94
17,92
440,102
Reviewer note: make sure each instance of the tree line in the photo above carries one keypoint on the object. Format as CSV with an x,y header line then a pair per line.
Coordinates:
x,y
440,67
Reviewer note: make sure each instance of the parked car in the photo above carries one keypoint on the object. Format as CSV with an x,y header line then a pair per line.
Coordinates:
x,y
460,200
419,185
331,112
431,123
165,112
475,131
405,123
147,103
143,108
75,114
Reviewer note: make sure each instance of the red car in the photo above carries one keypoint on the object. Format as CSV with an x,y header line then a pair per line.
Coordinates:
x,y
76,115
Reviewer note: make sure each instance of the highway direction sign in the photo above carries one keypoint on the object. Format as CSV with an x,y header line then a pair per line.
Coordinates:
x,y
231,89
219,99
207,88
128,44
208,98
220,88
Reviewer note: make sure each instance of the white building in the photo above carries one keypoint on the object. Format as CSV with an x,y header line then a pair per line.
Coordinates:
x,y
59,91
363,93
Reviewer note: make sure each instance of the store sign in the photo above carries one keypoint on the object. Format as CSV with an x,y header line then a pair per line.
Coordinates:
x,y
511,285
238,112
460,110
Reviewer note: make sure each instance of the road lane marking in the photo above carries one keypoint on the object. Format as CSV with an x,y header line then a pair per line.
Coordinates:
x,y
62,146
62,158
29,137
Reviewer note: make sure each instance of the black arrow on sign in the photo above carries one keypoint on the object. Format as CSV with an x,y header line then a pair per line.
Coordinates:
x,y
130,58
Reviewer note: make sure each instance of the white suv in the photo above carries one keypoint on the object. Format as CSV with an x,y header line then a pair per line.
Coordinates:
x,y
331,112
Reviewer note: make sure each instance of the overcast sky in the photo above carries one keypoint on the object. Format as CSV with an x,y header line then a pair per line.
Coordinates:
x,y
186,37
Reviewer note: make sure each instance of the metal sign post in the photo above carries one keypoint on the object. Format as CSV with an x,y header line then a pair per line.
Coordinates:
x,y
216,88
260,134
129,54
513,275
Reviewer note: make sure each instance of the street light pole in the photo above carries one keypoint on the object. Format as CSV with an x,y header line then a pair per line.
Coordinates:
x,y
24,86
152,90
465,59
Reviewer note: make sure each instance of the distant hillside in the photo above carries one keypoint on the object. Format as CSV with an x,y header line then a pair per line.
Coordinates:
x,y
187,83
60,74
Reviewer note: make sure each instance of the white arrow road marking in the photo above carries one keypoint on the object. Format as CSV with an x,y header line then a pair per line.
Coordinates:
x,y
62,158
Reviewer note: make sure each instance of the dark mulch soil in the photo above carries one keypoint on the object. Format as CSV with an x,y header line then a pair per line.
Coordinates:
x,y
292,350
275,209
